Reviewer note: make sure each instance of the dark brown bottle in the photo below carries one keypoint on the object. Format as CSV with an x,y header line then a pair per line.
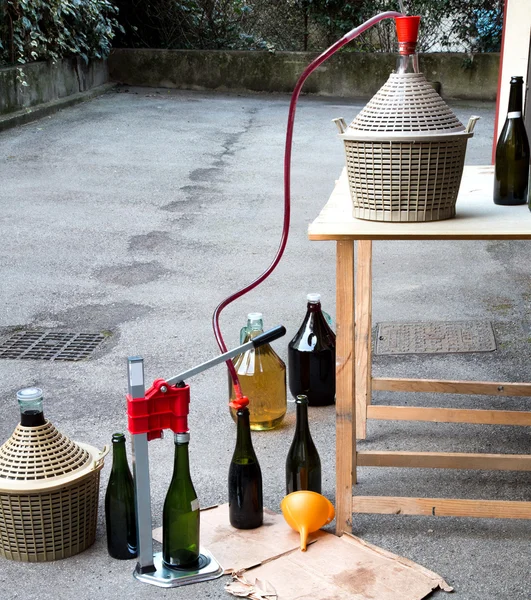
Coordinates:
x,y
120,516
511,171
312,357
30,403
246,506
303,465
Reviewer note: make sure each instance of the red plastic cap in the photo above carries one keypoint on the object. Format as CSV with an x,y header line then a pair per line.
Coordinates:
x,y
238,403
407,29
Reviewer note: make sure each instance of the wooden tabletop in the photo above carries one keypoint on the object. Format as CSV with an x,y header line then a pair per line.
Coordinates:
x,y
478,218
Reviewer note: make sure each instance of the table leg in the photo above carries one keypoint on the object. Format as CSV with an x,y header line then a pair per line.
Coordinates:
x,y
363,334
345,381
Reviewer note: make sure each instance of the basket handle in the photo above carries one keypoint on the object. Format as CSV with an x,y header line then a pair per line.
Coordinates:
x,y
341,124
99,459
472,123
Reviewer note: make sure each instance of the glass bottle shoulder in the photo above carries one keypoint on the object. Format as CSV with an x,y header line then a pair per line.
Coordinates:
x,y
258,360
314,334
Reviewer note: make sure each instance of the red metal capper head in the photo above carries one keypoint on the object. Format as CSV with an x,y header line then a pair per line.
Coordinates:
x,y
238,403
407,31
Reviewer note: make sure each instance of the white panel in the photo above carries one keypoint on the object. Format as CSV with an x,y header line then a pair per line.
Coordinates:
x,y
516,42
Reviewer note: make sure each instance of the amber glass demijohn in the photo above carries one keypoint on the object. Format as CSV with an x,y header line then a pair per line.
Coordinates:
x,y
262,376
312,357
246,506
120,517
180,515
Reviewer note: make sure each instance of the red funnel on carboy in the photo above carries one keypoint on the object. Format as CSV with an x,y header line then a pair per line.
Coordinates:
x,y
407,32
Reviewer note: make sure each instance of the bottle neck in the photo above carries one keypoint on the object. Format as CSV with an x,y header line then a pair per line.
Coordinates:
x,y
32,418
302,416
515,98
314,307
30,404
119,457
181,463
407,63
244,443
315,315
254,333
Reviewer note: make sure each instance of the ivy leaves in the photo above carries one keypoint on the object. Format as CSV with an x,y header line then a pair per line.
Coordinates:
x,y
33,30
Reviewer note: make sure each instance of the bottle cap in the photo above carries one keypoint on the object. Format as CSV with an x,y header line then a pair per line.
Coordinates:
x,y
182,438
29,394
301,399
30,400
313,298
254,316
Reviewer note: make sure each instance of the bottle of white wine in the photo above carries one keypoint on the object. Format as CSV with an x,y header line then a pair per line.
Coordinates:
x,y
511,171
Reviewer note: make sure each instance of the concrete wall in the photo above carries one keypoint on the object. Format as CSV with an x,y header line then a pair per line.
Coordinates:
x,y
47,82
346,74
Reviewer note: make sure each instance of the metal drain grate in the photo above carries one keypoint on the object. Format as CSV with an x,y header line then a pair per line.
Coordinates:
x,y
435,337
46,345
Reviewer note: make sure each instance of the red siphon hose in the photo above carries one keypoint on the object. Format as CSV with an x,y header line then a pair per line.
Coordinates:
x,y
287,181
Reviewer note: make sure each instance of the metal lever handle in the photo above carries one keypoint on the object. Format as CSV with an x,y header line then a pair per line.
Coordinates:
x,y
259,340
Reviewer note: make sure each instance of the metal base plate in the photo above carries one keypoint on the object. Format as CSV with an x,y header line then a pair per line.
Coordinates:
x,y
435,337
208,568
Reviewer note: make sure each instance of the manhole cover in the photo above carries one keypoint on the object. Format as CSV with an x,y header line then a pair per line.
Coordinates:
x,y
435,337
46,345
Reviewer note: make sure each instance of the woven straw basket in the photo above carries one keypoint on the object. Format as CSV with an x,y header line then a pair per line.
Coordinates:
x,y
405,153
49,489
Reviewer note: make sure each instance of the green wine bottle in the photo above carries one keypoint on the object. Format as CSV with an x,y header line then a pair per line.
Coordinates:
x,y
120,517
180,515
246,506
511,171
303,465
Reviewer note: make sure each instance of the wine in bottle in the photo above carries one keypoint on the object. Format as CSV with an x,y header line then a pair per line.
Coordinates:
x,y
120,517
303,465
511,171
262,376
30,404
246,507
312,357
180,515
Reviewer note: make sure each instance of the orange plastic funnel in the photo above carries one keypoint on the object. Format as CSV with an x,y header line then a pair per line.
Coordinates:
x,y
306,512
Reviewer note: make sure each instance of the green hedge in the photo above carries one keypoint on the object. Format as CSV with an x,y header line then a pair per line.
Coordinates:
x,y
33,30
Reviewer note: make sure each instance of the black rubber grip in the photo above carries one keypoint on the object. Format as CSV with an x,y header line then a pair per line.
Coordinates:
x,y
269,336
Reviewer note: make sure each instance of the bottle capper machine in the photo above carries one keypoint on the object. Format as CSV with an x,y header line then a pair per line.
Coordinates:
x,y
165,406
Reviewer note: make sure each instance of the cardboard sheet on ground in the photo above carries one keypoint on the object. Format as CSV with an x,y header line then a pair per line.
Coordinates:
x,y
345,568
237,549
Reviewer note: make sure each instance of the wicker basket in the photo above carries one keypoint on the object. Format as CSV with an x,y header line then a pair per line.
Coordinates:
x,y
405,153
49,490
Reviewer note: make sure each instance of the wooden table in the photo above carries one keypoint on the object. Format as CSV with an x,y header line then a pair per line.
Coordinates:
x,y
478,218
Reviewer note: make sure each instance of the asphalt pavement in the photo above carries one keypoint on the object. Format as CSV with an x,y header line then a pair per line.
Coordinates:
x,y
138,212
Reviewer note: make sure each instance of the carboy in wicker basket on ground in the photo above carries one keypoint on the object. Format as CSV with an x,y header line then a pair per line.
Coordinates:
x,y
405,150
49,488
